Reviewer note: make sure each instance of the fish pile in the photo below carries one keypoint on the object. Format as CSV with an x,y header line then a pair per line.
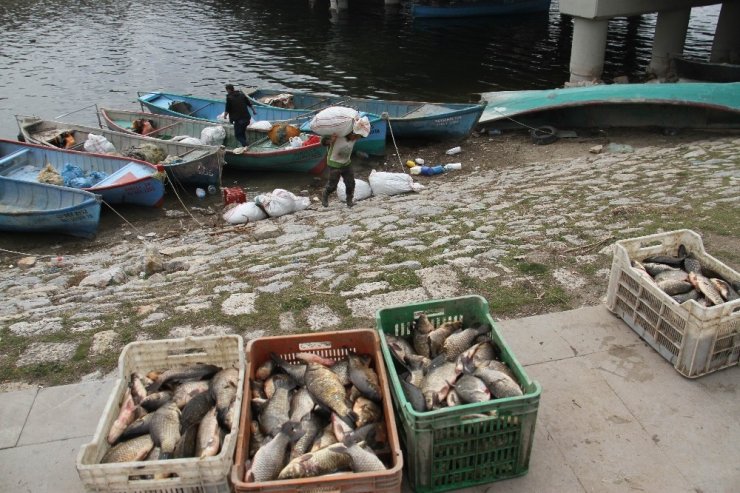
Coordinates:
x,y
684,278
450,365
176,413
316,416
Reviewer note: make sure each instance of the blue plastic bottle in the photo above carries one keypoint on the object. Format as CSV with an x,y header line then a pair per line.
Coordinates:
x,y
432,170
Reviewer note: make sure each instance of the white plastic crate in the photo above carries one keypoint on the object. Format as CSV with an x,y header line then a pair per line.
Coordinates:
x,y
191,475
696,339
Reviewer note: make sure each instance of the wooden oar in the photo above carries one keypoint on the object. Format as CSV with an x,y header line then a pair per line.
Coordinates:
x,y
160,129
204,106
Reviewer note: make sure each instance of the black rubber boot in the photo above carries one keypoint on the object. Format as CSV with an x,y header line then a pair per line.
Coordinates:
x,y
325,198
350,202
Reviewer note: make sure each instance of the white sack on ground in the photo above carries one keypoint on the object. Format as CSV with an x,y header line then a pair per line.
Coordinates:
x,y
246,212
280,202
362,190
384,183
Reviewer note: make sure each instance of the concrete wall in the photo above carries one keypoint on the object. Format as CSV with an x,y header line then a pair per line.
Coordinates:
x,y
605,9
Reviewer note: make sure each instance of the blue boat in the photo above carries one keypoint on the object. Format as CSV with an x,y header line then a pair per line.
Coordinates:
x,y
472,8
29,207
676,105
118,180
210,109
407,119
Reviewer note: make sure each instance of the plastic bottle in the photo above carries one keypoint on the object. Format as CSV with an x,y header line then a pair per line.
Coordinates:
x,y
410,163
453,166
419,161
432,170
454,150
416,170
212,190
200,193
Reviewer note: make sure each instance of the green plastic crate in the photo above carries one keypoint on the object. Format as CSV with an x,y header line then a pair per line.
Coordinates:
x,y
466,445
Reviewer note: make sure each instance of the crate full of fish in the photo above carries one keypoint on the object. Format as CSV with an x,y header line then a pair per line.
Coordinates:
x,y
679,299
171,423
465,405
317,416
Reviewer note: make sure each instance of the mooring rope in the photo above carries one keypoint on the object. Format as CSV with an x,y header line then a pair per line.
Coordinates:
x,y
386,117
174,189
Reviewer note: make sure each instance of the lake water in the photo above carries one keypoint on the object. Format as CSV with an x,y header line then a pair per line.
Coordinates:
x,y
58,57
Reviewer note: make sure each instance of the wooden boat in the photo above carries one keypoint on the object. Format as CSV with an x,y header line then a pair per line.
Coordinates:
x,y
187,165
679,105
119,180
473,8
210,109
261,154
690,68
30,207
406,118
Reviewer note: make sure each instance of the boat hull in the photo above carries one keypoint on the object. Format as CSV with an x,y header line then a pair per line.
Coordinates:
x,y
29,207
197,166
128,181
679,105
406,119
261,155
687,68
486,7
210,109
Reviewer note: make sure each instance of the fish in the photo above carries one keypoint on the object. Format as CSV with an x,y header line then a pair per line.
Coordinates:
x,y
223,389
502,367
438,336
267,462
129,451
257,389
182,374
325,438
326,388
314,464
364,378
399,347
724,289
186,391
186,444
671,287
374,434
361,459
301,404
341,369
311,425
414,395
165,428
314,358
664,259
155,400
256,438
421,327
500,384
195,410
137,428
208,441
367,411
264,371
458,342
471,389
296,371
691,295
480,354
353,393
138,390
703,285
125,418
654,269
417,366
339,427
692,264
277,410
453,398
672,275
436,382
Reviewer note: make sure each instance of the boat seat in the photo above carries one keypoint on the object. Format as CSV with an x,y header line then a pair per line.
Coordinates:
x,y
13,155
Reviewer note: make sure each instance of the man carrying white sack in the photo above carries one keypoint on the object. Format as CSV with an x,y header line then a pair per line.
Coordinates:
x,y
340,165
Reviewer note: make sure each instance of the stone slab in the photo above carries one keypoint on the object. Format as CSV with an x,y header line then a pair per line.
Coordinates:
x,y
67,411
14,409
42,468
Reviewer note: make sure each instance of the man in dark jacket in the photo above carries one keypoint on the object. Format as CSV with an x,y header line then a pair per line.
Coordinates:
x,y
237,111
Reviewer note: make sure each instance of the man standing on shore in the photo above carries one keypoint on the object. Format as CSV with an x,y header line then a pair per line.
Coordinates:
x,y
237,111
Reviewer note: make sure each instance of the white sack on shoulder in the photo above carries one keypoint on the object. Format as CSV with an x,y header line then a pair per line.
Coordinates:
x,y
246,212
362,190
99,144
334,120
384,183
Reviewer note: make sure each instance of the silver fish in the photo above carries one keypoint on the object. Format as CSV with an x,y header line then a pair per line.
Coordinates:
x,y
692,265
268,461
256,438
208,441
471,389
458,342
414,396
296,371
672,287
364,378
137,428
264,371
165,428
326,389
437,381
186,444
341,370
453,398
691,295
367,411
500,384
301,404
182,374
399,347
155,400
195,410
138,390
420,330
314,464
362,460
223,390
724,289
277,409
131,450
325,438
186,391
311,425
438,336
703,285
125,418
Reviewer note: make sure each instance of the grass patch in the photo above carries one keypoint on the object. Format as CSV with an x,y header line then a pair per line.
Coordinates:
x,y
402,279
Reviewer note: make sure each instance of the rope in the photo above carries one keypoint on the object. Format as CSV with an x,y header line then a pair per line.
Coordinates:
x,y
124,220
520,123
27,254
393,138
174,189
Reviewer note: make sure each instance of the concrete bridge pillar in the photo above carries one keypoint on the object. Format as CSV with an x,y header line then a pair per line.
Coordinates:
x,y
726,47
587,49
392,2
669,39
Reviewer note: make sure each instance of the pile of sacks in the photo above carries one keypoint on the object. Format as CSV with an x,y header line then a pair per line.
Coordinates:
x,y
277,203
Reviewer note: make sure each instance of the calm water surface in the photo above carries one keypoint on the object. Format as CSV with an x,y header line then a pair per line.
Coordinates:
x,y
57,57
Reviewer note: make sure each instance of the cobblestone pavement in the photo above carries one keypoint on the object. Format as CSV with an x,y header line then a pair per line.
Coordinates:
x,y
530,239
